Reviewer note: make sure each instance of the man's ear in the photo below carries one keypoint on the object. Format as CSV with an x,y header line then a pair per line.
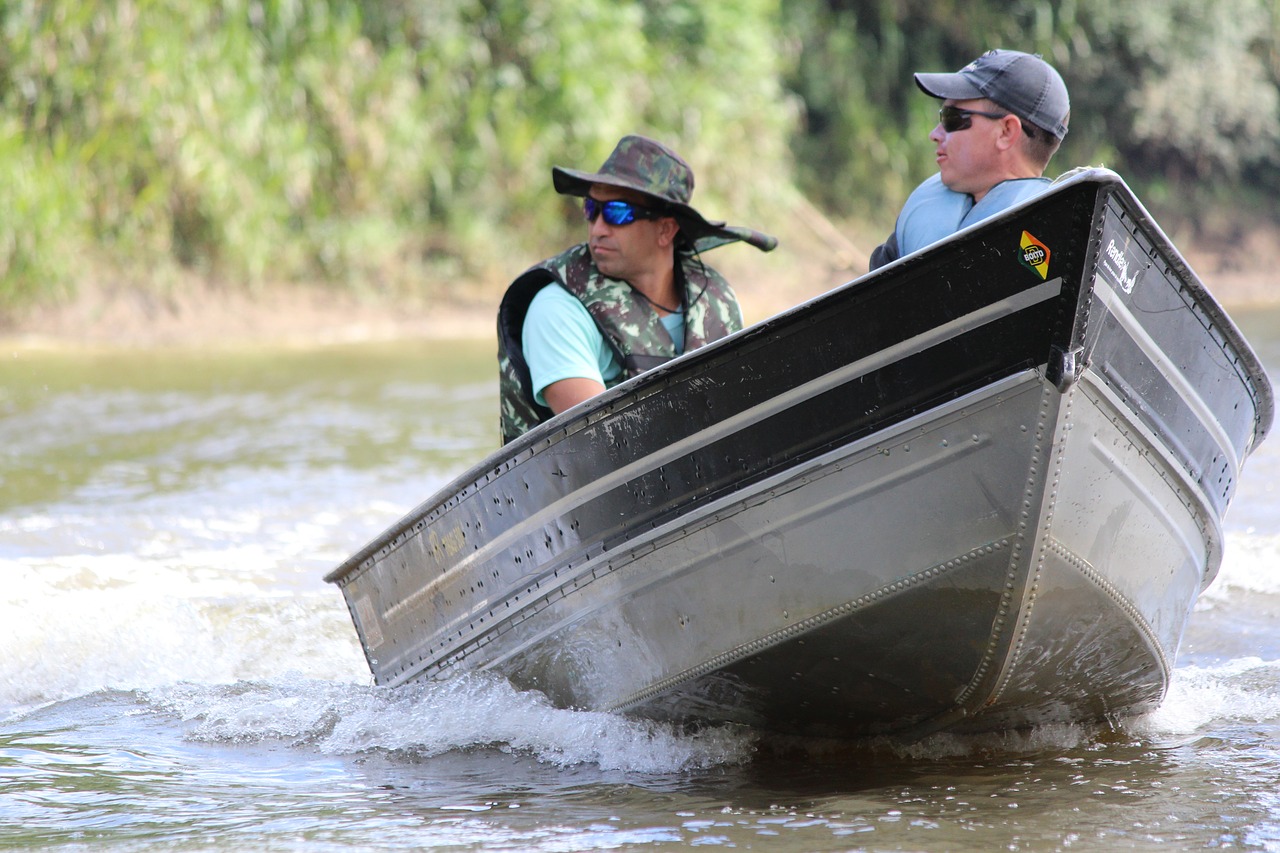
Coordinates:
x,y
668,228
1010,131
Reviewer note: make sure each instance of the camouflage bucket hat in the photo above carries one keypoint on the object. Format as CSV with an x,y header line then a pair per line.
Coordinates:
x,y
649,167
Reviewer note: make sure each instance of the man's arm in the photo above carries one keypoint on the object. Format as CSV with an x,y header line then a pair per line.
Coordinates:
x,y
885,252
568,393
568,358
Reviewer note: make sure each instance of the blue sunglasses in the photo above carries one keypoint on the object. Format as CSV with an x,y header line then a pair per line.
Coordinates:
x,y
616,212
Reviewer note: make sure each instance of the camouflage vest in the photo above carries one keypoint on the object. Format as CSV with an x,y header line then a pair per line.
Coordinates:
x,y
630,325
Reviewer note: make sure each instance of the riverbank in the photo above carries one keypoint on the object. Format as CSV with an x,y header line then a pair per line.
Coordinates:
x,y
201,315
814,255
813,258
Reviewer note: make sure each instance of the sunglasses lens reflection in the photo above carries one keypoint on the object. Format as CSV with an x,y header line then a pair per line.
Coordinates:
x,y
614,212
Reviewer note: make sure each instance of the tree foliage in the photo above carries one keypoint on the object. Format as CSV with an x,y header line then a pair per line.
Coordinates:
x,y
383,143
1191,86
1178,95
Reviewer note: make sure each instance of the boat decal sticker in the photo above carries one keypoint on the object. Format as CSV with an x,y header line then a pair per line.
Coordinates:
x,y
1121,263
451,542
367,619
1035,255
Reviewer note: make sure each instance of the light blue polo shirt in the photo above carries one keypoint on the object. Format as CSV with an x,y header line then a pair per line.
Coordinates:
x,y
561,341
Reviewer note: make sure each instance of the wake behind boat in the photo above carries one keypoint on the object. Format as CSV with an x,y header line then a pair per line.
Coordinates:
x,y
979,488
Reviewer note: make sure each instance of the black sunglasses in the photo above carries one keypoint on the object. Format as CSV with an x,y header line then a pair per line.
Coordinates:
x,y
953,119
616,212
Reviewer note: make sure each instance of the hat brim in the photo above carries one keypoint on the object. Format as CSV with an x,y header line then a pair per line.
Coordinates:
x,y
948,86
703,233
575,183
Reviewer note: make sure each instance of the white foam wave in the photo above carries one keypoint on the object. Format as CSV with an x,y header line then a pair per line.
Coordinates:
x,y
197,587
466,712
76,625
1251,563
1243,690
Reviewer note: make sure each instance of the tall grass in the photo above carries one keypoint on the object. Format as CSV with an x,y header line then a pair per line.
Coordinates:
x,y
374,145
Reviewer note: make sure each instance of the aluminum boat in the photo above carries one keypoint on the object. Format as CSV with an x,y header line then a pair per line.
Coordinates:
x,y
980,488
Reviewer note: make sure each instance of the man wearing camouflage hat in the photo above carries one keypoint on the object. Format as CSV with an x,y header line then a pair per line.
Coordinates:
x,y
635,295
1003,117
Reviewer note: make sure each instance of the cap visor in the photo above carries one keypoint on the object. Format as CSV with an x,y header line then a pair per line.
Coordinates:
x,y
945,86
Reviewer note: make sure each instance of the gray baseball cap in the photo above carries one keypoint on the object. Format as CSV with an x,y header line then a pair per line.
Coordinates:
x,y
1022,83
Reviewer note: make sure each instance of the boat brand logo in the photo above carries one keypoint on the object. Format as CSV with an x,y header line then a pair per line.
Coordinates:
x,y
1117,263
1035,255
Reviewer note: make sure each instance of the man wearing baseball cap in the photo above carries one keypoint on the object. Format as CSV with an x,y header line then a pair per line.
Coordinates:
x,y
1003,117
635,295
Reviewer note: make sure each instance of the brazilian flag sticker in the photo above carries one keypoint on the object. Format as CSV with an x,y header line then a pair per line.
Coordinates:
x,y
1035,255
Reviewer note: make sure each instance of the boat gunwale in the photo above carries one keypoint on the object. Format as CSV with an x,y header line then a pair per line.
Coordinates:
x,y
581,417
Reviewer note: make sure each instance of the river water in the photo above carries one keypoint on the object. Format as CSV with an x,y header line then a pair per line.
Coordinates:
x,y
176,675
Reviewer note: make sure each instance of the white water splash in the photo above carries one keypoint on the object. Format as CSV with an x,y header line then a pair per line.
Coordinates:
x,y
466,712
1239,691
1251,564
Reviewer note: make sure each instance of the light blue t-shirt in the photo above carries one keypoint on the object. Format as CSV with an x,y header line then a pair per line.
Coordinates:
x,y
933,212
561,341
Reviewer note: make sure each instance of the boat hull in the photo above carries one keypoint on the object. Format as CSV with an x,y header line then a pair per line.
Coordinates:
x,y
978,489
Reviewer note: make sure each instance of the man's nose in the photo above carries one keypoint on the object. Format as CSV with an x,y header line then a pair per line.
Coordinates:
x,y
599,226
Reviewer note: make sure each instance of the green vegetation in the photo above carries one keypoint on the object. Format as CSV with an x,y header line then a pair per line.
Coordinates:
x,y
405,145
